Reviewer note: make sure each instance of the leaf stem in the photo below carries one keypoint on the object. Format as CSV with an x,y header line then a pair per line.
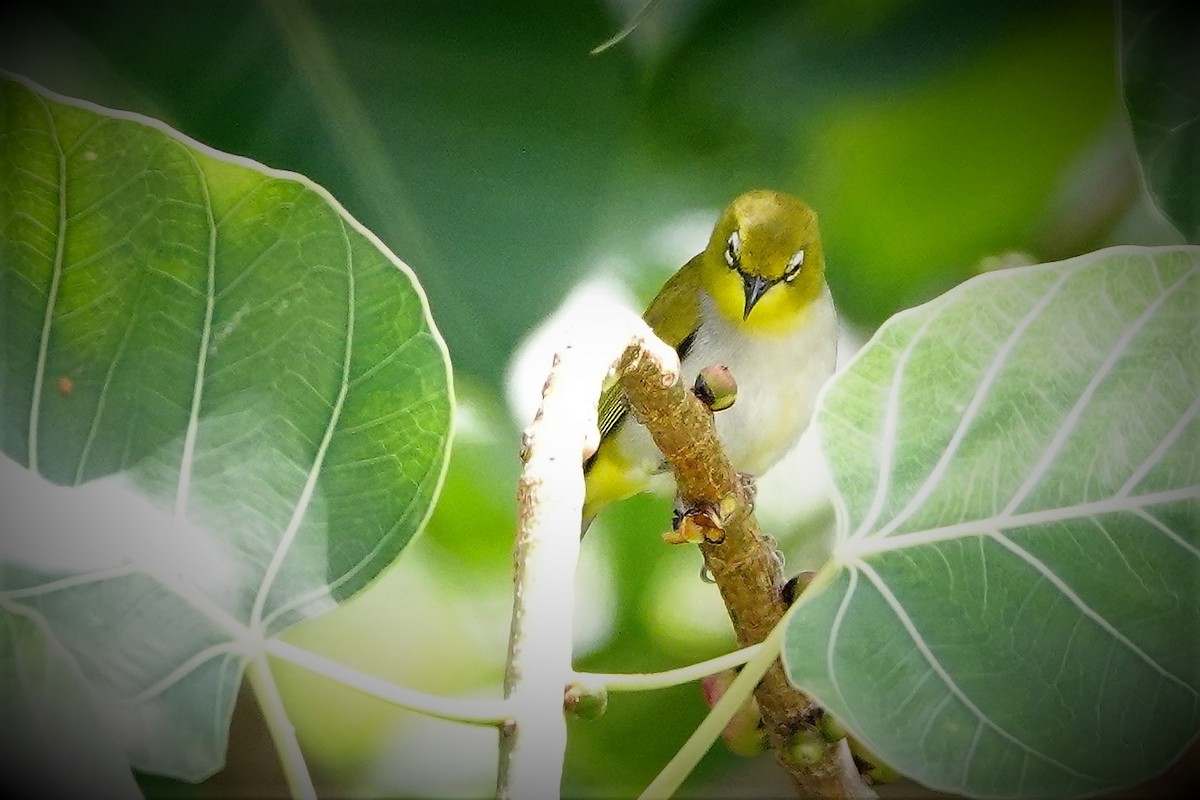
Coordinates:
x,y
648,681
467,711
283,733
681,765
628,28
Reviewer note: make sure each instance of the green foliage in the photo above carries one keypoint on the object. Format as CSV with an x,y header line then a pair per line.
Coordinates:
x,y
253,376
482,143
1010,608
1159,64
973,157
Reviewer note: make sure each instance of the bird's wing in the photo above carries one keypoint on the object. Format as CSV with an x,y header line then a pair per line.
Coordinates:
x,y
674,315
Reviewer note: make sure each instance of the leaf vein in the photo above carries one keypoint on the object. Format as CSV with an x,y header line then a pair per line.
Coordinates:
x,y
293,527
102,400
1067,592
183,670
1073,416
977,401
1166,530
1161,450
923,647
849,551
187,459
890,426
835,631
39,372
70,582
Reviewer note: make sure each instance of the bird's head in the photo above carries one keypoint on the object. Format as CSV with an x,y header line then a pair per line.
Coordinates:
x,y
764,264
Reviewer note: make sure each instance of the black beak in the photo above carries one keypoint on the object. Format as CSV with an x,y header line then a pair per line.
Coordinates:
x,y
755,287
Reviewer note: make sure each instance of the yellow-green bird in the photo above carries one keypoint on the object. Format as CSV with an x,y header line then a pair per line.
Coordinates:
x,y
755,301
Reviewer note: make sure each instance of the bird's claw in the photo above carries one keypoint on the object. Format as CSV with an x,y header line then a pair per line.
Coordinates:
x,y
701,523
695,525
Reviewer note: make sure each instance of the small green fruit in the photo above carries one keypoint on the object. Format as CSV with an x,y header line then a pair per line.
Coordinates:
x,y
807,748
585,702
716,387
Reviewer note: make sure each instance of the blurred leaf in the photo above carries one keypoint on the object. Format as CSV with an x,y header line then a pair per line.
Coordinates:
x,y
416,627
484,144
52,743
427,120
916,187
1160,60
253,377
926,134
1011,608
475,519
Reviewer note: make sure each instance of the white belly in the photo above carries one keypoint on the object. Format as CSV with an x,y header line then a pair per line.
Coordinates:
x,y
778,378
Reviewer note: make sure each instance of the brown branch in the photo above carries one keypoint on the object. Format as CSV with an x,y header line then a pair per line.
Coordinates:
x,y
745,565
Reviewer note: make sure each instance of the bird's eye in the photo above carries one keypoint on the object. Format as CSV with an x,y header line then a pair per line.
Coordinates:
x,y
732,249
793,266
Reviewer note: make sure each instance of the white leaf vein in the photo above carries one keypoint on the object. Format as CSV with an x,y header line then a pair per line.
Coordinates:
x,y
193,425
1085,398
176,675
1165,530
1167,442
999,361
1066,591
102,400
835,631
82,579
891,423
849,551
39,372
314,472
923,647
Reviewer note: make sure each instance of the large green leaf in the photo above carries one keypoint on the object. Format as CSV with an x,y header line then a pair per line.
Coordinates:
x,y
1159,64
243,383
1012,608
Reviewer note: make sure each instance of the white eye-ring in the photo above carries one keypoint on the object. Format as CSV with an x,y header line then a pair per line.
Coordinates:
x,y
732,249
793,266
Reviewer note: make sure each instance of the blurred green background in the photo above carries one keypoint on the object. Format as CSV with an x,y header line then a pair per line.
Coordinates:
x,y
485,146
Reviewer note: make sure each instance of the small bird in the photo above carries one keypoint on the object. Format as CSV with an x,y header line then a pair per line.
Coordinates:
x,y
755,301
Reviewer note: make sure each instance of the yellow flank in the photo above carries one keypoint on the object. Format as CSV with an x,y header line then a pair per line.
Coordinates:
x,y
754,300
609,479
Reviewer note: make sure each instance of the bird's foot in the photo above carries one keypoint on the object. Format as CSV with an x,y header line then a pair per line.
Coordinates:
x,y
701,523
